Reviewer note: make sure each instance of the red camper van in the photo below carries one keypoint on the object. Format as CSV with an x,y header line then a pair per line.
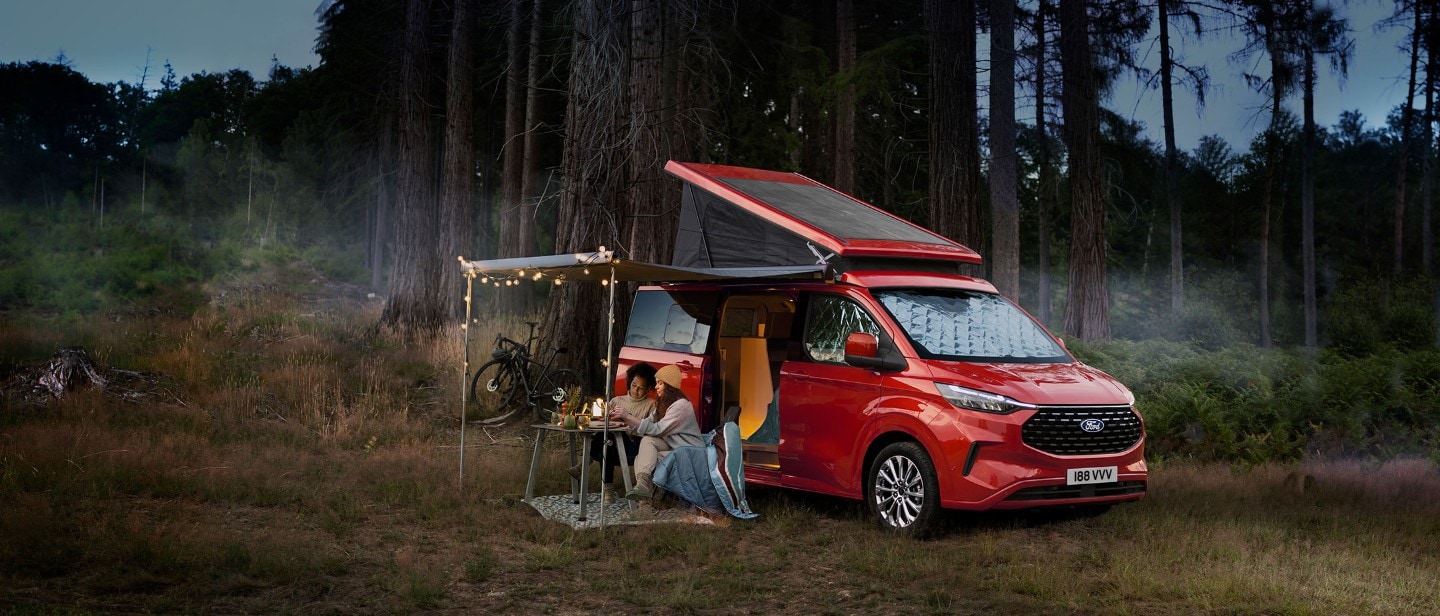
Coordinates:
x,y
891,377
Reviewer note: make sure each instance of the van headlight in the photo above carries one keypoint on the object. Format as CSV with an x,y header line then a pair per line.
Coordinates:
x,y
976,400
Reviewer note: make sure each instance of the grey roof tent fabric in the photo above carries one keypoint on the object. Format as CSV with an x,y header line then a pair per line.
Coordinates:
x,y
715,233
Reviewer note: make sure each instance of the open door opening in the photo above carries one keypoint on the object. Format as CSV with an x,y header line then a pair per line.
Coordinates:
x,y
754,340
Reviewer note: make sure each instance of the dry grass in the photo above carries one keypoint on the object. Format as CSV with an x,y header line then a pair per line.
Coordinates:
x,y
313,467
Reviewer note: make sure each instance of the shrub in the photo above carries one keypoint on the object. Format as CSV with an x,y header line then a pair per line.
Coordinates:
x,y
1368,314
1253,405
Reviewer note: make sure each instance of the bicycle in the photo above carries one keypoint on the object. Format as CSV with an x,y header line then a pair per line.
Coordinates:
x,y
512,369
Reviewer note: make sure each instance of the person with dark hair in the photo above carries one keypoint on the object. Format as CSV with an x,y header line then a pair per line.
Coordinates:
x,y
673,425
637,401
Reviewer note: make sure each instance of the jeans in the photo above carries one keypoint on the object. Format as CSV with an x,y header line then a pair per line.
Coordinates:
x,y
630,446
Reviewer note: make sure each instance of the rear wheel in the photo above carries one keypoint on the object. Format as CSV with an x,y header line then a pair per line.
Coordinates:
x,y
552,390
494,387
902,490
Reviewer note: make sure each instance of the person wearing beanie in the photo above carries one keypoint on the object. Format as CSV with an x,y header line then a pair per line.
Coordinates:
x,y
673,425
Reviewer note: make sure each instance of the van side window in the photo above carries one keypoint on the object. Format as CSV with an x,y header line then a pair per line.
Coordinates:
x,y
670,321
832,319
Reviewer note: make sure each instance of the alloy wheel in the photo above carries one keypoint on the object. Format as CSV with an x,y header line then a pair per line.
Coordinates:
x,y
899,491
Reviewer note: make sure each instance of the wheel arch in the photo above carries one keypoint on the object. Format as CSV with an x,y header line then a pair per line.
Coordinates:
x,y
878,444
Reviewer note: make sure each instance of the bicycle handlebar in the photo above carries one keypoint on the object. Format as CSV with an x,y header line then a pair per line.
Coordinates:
x,y
516,348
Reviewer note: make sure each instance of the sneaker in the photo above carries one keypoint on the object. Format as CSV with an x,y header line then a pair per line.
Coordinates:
x,y
610,497
639,494
575,470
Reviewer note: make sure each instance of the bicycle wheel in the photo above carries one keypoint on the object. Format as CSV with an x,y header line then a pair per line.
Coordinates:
x,y
494,387
551,390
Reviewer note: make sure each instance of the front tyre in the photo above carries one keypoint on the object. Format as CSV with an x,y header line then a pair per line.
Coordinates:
x,y
902,490
493,387
552,390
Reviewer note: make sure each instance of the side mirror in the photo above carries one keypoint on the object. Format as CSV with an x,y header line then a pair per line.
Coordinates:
x,y
1062,343
859,344
863,350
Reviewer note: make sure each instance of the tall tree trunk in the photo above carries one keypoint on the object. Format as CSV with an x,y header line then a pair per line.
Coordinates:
x,y
1172,162
379,231
1307,199
1427,177
1267,191
512,179
457,189
1087,308
1005,258
1404,163
652,221
411,305
845,99
1046,185
593,170
954,130
529,204
1278,82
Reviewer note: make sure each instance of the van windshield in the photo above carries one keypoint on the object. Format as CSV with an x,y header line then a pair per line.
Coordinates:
x,y
960,325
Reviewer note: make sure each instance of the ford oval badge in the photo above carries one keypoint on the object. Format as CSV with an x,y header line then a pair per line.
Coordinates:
x,y
1092,425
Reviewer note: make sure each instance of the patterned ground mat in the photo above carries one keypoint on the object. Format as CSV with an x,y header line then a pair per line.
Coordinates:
x,y
561,508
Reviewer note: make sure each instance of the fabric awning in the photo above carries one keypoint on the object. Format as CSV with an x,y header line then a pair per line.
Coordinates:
x,y
596,266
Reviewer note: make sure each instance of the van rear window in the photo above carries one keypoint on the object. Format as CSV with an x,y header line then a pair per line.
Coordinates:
x,y
671,321
969,326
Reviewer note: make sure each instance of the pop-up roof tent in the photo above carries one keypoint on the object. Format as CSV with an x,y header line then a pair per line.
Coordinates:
x,y
738,217
738,223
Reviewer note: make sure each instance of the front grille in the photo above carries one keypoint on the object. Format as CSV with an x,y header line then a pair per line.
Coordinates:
x,y
1056,430
1089,490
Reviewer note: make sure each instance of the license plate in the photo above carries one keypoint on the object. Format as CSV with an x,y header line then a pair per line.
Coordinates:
x,y
1098,474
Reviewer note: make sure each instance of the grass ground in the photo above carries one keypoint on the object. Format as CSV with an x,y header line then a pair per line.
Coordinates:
x,y
311,466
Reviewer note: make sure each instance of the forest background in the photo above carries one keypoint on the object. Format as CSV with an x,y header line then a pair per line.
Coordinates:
x,y
1265,299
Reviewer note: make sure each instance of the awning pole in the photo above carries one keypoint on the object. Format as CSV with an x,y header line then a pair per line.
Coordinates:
x,y
610,342
609,391
465,376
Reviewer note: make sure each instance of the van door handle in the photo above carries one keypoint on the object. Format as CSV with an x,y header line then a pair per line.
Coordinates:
x,y
685,365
